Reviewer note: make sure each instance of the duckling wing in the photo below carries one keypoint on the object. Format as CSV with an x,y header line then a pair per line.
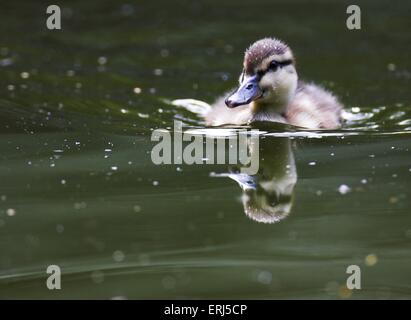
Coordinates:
x,y
314,107
220,114
195,106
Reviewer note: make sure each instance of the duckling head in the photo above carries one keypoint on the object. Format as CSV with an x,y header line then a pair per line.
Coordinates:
x,y
269,78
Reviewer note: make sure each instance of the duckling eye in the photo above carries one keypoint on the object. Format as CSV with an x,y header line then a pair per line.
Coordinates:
x,y
273,65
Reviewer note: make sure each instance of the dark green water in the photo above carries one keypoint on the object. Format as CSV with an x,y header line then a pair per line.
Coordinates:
x,y
78,188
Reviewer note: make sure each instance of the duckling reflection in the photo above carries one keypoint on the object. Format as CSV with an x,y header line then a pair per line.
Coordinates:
x,y
268,195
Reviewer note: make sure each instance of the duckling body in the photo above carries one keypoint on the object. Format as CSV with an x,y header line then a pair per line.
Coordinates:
x,y
270,91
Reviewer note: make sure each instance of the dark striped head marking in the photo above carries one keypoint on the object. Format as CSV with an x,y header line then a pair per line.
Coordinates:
x,y
262,49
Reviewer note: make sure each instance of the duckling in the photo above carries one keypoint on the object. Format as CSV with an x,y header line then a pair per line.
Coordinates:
x,y
269,90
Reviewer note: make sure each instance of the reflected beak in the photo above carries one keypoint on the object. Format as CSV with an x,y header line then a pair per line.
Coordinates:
x,y
247,92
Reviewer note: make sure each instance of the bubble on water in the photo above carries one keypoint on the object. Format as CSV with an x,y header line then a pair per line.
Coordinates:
x,y
364,181
265,277
344,189
137,208
318,192
158,72
63,181
371,260
118,256
78,85
312,163
355,109
3,197
137,90
179,169
393,200
6,62
391,67
114,168
155,183
102,60
344,292
10,87
152,90
25,75
97,276
124,111
11,212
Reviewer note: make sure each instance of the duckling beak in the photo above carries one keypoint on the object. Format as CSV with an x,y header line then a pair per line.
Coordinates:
x,y
248,91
